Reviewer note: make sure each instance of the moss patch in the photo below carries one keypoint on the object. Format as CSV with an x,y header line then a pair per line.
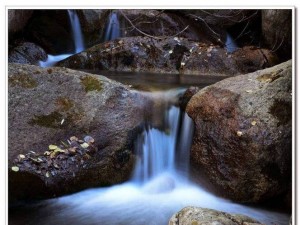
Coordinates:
x,y
269,78
282,111
91,84
64,103
52,120
22,80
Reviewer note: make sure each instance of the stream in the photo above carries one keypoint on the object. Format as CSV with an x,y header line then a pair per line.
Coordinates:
x,y
160,184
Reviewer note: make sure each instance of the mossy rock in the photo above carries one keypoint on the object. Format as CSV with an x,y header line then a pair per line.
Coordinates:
x,y
91,84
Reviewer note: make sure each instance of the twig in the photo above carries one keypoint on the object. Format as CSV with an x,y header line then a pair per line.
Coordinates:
x,y
198,17
148,35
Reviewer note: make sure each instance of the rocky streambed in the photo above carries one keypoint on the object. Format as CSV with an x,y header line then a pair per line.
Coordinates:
x,y
70,130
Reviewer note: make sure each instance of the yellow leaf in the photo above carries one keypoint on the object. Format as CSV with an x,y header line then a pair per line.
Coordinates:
x,y
15,168
47,153
52,147
85,145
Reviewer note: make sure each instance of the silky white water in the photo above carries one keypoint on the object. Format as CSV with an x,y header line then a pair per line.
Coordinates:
x,y
77,38
230,44
159,186
113,27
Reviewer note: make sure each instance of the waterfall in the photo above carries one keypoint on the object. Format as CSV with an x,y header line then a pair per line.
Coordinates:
x,y
77,38
113,27
230,44
76,31
159,186
158,149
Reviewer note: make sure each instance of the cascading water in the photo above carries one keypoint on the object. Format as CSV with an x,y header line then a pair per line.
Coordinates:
x,y
76,30
77,38
230,44
113,28
158,189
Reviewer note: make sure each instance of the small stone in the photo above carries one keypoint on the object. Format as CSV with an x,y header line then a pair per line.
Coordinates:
x,y
249,91
89,139
253,123
22,156
208,55
170,52
47,174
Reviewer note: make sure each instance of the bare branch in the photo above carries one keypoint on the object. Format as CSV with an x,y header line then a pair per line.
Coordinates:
x,y
198,17
148,35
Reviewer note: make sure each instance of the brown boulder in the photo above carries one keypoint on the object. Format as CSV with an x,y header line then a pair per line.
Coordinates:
x,y
243,134
171,55
48,106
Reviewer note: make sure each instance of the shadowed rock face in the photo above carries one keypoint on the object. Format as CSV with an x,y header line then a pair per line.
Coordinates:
x,y
17,19
277,31
203,216
243,134
172,55
27,53
47,106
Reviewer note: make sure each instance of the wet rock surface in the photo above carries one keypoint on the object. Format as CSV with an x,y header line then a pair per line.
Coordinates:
x,y
171,55
243,133
27,53
203,216
47,107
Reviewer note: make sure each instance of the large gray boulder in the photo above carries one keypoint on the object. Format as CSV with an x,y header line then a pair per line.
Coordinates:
x,y
243,133
27,53
47,107
202,216
170,55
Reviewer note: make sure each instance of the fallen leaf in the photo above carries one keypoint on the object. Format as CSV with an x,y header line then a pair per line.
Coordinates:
x,y
89,139
239,133
59,150
15,168
22,156
53,155
52,147
73,138
47,153
85,145
40,160
56,166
